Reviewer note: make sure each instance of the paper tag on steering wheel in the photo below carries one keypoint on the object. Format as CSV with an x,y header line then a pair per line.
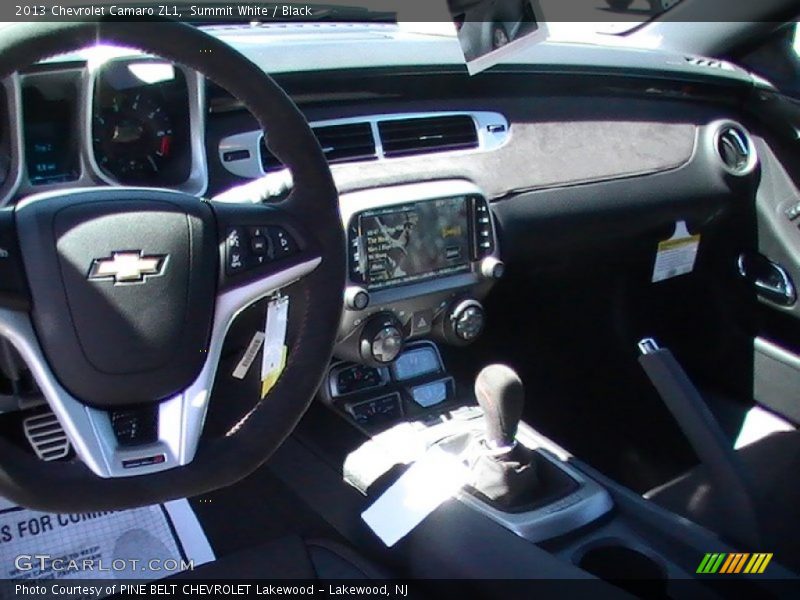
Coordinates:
x,y
273,359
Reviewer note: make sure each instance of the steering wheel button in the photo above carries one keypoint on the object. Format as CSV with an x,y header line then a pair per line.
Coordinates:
x,y
257,260
259,245
235,238
283,242
235,261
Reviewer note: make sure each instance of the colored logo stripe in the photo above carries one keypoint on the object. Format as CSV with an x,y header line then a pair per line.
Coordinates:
x,y
734,563
758,563
737,562
711,563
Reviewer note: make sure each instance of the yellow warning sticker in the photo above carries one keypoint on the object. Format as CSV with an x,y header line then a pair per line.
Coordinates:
x,y
676,256
269,380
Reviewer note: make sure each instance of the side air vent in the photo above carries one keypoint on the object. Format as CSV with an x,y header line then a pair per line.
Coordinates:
x,y
735,148
352,141
401,137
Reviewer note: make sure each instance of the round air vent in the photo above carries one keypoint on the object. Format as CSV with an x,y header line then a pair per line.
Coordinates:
x,y
735,149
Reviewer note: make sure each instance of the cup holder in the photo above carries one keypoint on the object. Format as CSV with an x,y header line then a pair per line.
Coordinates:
x,y
624,567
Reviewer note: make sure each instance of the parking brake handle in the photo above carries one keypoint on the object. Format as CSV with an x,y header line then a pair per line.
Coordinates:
x,y
706,437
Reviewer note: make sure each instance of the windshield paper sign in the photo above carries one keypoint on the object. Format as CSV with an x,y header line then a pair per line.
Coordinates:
x,y
490,31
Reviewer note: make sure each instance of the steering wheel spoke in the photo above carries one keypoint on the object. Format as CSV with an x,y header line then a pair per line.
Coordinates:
x,y
14,292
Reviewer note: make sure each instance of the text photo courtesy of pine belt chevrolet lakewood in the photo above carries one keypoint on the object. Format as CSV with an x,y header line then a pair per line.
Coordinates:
x,y
371,298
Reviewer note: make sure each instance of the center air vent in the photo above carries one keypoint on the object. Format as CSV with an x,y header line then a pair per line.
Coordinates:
x,y
375,137
427,134
735,149
352,141
346,142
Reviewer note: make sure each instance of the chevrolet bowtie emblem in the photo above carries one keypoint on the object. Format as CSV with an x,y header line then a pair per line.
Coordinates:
x,y
127,267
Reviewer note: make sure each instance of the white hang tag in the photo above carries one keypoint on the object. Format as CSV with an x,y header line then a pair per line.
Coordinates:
x,y
676,256
428,483
274,358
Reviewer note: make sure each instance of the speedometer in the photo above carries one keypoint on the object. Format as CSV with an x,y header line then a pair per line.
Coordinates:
x,y
132,137
140,123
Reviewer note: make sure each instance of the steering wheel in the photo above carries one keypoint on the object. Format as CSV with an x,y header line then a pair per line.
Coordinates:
x,y
120,296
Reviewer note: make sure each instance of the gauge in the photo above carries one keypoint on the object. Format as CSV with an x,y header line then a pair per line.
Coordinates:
x,y
132,137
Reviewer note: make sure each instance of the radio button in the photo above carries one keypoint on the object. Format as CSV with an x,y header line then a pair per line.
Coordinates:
x,y
421,322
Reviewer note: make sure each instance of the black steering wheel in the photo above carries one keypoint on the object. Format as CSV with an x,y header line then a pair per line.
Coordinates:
x,y
120,296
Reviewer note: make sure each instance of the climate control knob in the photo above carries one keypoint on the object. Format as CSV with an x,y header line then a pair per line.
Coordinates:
x,y
465,322
381,339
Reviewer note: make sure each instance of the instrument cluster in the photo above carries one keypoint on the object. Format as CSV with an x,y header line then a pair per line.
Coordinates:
x,y
135,121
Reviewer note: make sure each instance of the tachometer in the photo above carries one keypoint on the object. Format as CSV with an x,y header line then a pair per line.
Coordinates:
x,y
132,137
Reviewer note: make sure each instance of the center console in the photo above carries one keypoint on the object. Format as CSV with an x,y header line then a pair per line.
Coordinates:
x,y
576,523
420,259
413,404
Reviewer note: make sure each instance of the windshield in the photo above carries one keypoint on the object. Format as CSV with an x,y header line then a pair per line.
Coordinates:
x,y
597,16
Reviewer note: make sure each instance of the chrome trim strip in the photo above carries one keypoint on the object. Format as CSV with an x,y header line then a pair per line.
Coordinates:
x,y
84,178
180,418
16,165
250,168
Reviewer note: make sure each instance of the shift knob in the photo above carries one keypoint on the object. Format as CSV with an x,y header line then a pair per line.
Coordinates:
x,y
501,396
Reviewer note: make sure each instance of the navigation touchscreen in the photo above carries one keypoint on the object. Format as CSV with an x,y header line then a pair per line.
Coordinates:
x,y
402,244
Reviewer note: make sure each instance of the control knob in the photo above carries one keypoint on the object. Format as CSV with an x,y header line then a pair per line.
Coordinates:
x,y
492,268
356,298
381,339
465,322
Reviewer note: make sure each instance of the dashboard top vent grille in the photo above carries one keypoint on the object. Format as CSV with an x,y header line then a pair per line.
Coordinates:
x,y
401,137
735,149
711,63
351,141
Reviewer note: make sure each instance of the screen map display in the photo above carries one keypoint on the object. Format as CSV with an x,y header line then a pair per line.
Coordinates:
x,y
403,244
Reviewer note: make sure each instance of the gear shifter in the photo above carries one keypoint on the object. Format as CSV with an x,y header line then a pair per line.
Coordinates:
x,y
500,394
502,470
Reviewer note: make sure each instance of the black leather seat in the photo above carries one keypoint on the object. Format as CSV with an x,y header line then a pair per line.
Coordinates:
x,y
773,465
289,558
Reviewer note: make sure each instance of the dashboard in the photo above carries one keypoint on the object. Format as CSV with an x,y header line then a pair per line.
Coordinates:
x,y
442,177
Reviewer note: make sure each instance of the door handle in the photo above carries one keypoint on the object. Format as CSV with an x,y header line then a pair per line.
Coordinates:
x,y
770,279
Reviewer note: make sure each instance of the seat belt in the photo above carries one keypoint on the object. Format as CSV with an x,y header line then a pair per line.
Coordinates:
x,y
735,490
